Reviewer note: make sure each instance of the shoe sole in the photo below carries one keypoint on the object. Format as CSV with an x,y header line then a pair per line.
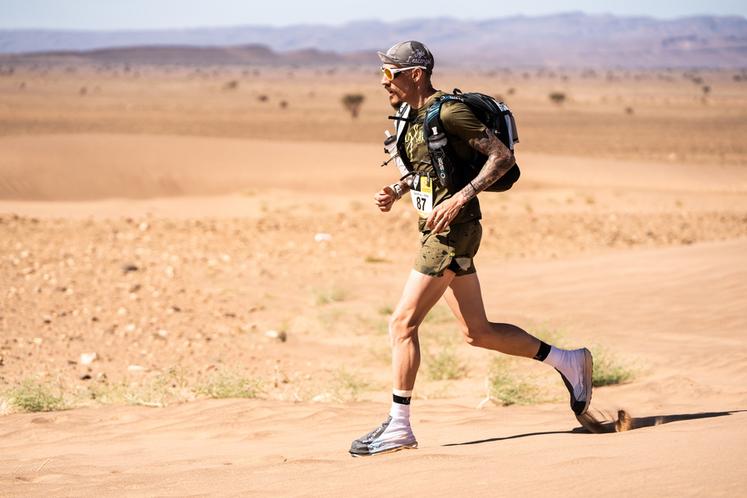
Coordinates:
x,y
390,450
588,377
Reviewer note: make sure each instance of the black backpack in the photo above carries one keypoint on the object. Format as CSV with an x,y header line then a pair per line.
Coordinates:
x,y
493,114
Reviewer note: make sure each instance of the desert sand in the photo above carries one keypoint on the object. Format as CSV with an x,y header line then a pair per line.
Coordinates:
x,y
181,229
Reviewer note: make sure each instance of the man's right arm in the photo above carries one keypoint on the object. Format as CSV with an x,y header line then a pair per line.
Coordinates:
x,y
386,196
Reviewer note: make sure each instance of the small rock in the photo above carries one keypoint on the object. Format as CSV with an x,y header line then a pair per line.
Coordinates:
x,y
128,267
87,358
163,333
322,237
135,368
279,335
85,377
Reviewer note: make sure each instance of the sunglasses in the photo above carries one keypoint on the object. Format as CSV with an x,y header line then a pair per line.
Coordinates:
x,y
391,72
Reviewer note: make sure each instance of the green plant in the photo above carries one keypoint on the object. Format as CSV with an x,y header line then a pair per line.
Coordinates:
x,y
347,386
167,387
33,396
225,384
445,365
608,370
505,388
330,295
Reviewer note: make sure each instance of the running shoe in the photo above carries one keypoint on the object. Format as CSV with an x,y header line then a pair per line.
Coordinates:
x,y
579,387
386,438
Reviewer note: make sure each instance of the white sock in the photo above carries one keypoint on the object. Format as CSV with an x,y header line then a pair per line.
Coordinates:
x,y
557,358
400,411
563,361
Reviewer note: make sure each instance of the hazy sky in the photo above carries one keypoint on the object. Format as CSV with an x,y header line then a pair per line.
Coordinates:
x,y
144,14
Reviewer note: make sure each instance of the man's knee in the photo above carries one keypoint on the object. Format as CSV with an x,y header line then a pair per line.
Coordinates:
x,y
475,336
402,327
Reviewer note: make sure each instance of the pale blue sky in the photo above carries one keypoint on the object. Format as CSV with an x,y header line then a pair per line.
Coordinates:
x,y
147,14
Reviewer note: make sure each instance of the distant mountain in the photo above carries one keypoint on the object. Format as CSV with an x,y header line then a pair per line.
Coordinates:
x,y
191,56
572,39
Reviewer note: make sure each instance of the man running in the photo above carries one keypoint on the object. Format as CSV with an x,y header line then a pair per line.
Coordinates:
x,y
450,236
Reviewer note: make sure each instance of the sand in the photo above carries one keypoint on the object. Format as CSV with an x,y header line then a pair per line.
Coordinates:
x,y
175,251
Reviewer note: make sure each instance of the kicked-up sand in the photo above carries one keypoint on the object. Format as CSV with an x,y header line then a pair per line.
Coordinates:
x,y
203,242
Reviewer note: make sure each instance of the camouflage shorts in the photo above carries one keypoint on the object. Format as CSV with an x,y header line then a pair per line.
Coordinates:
x,y
452,249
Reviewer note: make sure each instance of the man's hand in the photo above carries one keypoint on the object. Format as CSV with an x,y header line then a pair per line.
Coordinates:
x,y
385,198
444,213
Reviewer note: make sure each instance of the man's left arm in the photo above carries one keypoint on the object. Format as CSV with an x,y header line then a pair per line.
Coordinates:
x,y
500,160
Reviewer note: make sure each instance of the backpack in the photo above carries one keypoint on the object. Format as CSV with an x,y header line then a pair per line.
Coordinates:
x,y
493,114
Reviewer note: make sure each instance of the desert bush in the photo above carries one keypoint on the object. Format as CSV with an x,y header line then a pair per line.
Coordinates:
x,y
224,384
608,370
283,104
231,85
166,388
505,388
32,396
329,295
557,97
263,98
629,110
347,386
445,365
352,102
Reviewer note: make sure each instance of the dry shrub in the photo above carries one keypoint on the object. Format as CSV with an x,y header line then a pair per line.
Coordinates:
x,y
557,97
352,102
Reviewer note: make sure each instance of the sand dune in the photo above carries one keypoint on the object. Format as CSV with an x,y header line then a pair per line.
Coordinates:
x,y
143,166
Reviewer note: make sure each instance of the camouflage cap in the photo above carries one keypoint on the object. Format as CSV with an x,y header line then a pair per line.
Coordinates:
x,y
407,54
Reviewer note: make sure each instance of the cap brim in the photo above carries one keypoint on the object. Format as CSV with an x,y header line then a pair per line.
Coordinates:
x,y
388,60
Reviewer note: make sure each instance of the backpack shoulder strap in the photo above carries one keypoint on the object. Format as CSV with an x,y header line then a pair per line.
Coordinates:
x,y
401,118
433,115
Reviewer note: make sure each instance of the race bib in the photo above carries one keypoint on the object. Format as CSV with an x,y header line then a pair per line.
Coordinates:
x,y
421,194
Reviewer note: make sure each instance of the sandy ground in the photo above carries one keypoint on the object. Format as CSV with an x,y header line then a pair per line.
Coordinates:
x,y
170,253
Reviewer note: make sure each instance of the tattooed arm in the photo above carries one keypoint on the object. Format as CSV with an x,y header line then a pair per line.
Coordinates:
x,y
500,160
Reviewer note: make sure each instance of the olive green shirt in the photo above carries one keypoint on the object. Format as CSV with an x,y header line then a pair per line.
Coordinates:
x,y
460,125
